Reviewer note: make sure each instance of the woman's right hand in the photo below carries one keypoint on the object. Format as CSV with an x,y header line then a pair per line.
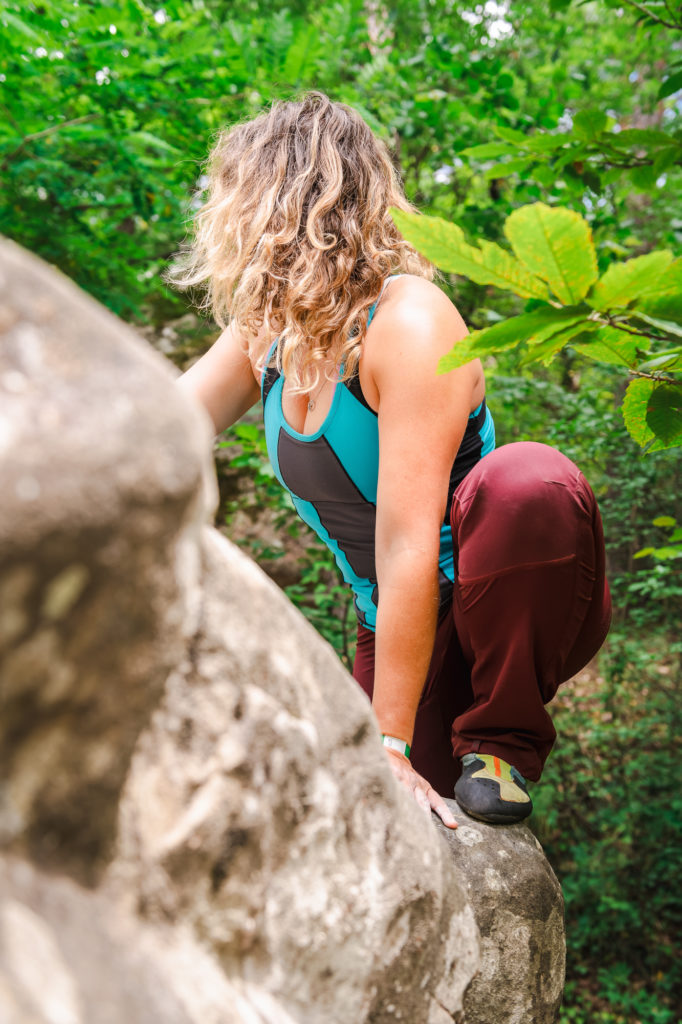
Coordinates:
x,y
422,791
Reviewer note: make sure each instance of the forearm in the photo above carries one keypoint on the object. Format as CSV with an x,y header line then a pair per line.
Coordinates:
x,y
405,631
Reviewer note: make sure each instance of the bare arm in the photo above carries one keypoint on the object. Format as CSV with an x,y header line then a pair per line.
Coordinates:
x,y
223,381
422,418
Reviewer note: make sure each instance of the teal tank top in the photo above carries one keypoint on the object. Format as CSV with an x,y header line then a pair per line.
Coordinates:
x,y
332,476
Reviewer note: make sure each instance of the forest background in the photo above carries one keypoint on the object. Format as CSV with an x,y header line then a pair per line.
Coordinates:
x,y
108,110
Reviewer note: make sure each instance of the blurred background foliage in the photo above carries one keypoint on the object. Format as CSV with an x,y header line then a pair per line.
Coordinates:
x,y
108,109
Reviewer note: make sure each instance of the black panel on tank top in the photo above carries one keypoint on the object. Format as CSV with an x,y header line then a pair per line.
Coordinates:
x,y
468,454
353,385
313,472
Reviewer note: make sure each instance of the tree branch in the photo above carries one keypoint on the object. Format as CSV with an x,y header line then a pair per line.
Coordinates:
x,y
47,131
654,17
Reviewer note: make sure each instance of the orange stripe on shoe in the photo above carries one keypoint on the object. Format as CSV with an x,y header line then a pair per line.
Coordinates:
x,y
498,766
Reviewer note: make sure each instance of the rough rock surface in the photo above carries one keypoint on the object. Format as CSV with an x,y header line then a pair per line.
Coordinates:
x,y
196,816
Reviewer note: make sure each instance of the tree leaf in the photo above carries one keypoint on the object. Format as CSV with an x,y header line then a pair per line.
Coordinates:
x,y
668,552
509,134
653,414
609,345
668,326
664,414
152,142
643,177
507,168
665,159
497,338
643,553
671,85
624,282
635,404
589,123
11,20
544,142
644,138
663,298
668,521
533,328
556,244
443,243
662,361
488,150
546,350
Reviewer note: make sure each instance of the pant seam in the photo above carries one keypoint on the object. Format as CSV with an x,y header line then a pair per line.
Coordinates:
x,y
514,568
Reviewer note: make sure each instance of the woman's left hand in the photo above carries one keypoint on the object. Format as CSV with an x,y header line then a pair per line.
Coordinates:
x,y
421,790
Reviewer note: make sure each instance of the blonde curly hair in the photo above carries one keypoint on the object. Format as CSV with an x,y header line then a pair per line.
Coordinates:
x,y
295,238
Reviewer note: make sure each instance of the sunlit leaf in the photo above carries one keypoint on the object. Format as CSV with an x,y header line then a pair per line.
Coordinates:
x,y
663,298
667,552
643,553
546,143
556,245
624,282
443,243
609,345
532,328
544,352
481,343
634,411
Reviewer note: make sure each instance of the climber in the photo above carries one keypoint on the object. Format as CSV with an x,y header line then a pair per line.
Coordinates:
x,y
477,573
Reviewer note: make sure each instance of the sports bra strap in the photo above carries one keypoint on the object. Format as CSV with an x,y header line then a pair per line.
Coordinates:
x,y
383,289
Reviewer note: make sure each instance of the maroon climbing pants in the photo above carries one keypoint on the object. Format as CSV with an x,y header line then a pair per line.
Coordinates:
x,y
530,607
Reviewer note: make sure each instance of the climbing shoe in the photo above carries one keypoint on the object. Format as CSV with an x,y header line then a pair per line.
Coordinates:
x,y
492,790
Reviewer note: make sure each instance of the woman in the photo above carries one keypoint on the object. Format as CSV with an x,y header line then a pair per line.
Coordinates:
x,y
478,575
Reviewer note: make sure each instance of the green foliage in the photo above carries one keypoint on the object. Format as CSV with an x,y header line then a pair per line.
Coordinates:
x,y
108,111
517,118
593,154
555,246
609,814
673,547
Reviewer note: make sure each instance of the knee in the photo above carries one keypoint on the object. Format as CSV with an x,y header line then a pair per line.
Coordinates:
x,y
520,504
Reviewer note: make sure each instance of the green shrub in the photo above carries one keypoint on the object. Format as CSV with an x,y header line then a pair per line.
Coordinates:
x,y
609,815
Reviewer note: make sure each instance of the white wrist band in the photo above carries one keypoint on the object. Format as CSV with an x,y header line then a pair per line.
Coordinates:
x,y
393,743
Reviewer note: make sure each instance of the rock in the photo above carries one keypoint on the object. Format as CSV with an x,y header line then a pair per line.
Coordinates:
x,y
102,464
519,912
197,819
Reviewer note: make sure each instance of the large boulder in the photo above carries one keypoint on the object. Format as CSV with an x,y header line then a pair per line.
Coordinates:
x,y
197,819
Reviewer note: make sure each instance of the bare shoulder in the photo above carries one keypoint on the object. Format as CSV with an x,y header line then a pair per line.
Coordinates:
x,y
414,318
416,313
414,326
